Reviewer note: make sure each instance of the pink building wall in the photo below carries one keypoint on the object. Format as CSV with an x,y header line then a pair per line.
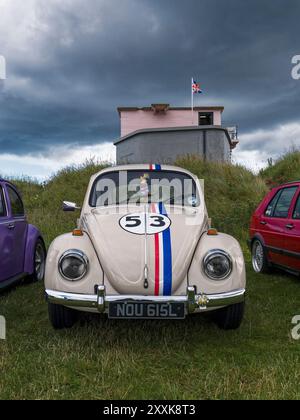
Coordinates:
x,y
133,120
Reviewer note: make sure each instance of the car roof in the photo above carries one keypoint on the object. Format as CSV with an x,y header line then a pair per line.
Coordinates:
x,y
142,167
288,183
8,182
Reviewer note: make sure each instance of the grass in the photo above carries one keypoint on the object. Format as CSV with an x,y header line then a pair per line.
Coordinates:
x,y
231,192
188,359
153,360
286,169
44,202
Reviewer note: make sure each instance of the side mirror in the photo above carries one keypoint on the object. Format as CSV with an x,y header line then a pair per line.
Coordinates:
x,y
69,206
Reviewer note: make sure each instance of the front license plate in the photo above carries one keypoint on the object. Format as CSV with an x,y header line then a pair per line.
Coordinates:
x,y
145,310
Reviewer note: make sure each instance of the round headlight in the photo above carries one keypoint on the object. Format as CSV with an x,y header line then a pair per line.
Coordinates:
x,y
217,265
73,265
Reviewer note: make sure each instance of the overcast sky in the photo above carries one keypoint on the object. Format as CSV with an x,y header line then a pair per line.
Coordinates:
x,y
71,63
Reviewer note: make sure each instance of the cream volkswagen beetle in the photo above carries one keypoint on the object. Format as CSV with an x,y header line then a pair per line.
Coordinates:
x,y
144,249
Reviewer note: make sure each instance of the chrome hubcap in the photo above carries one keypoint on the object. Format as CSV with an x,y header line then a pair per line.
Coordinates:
x,y
39,261
258,257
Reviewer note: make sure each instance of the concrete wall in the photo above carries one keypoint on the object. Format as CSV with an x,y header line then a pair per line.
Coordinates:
x,y
165,146
140,119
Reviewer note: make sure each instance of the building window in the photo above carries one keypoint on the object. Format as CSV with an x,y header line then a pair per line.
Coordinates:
x,y
206,118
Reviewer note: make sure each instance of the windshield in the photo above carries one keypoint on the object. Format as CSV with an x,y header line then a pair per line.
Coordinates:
x,y
140,187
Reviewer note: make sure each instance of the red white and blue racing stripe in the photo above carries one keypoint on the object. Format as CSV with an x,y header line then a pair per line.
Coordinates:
x,y
155,167
163,257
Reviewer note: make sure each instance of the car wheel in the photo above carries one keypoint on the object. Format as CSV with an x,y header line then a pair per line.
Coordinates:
x,y
231,317
39,262
61,317
259,260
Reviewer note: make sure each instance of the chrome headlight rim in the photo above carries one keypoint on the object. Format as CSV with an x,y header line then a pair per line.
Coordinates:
x,y
75,253
215,253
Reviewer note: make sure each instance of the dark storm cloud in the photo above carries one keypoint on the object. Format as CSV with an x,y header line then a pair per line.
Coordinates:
x,y
85,58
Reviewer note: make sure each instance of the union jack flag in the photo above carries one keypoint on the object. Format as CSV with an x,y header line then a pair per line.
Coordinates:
x,y
196,87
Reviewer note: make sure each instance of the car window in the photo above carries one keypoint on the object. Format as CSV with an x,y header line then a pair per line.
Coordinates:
x,y
16,203
284,202
142,186
2,204
271,206
296,214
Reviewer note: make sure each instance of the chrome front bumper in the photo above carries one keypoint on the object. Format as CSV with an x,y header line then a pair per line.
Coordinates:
x,y
100,302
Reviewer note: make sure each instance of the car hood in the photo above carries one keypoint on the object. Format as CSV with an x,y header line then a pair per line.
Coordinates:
x,y
145,250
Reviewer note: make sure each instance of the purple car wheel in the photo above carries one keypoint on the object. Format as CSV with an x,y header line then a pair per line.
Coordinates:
x,y
39,262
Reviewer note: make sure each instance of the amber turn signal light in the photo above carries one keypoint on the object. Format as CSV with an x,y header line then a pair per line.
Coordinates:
x,y
77,232
212,232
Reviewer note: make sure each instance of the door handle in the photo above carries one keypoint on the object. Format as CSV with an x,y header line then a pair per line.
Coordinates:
x,y
290,226
11,226
263,223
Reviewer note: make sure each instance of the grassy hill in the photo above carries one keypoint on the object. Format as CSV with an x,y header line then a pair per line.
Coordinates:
x,y
232,192
44,202
286,169
154,360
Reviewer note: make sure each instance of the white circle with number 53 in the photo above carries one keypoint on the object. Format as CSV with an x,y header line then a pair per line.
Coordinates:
x,y
136,223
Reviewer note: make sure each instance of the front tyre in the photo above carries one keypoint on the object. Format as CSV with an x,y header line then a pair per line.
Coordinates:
x,y
260,262
39,262
61,317
231,317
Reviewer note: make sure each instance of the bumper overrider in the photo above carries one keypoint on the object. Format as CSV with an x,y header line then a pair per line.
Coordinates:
x,y
100,302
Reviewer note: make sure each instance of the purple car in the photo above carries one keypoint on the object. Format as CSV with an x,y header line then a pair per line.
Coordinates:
x,y
22,249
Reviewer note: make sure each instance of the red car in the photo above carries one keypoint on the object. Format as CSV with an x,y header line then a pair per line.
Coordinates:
x,y
275,230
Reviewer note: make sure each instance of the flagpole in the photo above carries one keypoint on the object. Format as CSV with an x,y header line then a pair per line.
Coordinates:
x,y
192,101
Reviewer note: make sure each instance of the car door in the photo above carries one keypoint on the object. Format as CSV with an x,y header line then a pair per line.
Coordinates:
x,y
6,261
17,227
274,221
292,238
